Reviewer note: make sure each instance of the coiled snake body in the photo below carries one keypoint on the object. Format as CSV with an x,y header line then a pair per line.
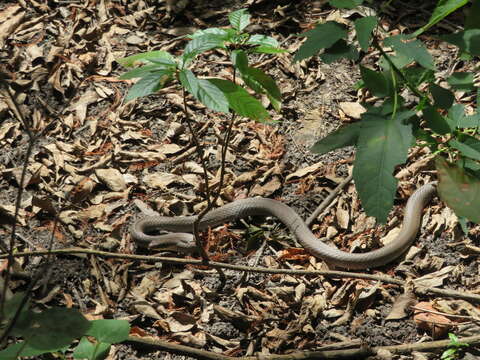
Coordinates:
x,y
262,206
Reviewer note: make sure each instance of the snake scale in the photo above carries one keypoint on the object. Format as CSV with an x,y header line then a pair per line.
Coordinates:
x,y
180,240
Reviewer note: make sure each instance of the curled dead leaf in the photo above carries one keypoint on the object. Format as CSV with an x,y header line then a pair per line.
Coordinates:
x,y
426,318
112,178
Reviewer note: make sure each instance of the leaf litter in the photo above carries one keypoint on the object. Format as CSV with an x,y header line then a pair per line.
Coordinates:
x,y
101,161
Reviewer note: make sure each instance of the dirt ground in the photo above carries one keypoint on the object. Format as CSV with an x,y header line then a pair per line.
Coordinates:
x,y
99,164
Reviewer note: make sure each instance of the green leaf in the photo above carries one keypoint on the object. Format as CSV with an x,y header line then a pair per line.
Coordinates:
x,y
13,351
456,114
140,72
467,41
382,144
442,97
212,97
470,121
204,91
200,44
376,82
442,10
149,84
224,34
345,4
55,328
268,50
263,40
24,322
413,49
189,81
459,190
109,331
321,37
435,121
87,350
448,354
472,165
417,75
364,28
239,60
345,136
466,149
461,81
146,57
262,83
463,224
473,14
240,100
239,19
338,51
399,60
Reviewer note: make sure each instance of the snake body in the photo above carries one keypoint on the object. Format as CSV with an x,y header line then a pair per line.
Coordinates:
x,y
268,207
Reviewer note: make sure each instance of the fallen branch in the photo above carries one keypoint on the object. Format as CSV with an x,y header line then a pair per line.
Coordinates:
x,y
356,353
218,265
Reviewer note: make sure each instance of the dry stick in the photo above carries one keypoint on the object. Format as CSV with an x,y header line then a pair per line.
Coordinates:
x,y
199,149
31,141
327,200
264,270
21,118
356,353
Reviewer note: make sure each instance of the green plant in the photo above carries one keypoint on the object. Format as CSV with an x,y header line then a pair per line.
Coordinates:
x,y
392,125
451,353
53,330
160,68
220,95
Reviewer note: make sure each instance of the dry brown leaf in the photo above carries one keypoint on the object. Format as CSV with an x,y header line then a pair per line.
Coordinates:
x,y
112,178
7,212
44,204
177,323
229,344
245,177
316,304
342,215
251,293
265,190
92,212
147,286
177,280
166,149
401,307
81,190
434,279
198,340
352,109
457,307
437,325
161,180
12,17
305,171
79,107
237,318
391,235
146,310
7,128
143,155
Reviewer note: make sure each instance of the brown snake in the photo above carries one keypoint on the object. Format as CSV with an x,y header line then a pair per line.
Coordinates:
x,y
262,206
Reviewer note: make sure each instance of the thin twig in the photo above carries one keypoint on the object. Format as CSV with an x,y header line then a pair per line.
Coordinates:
x,y
327,200
32,138
199,149
264,270
360,352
